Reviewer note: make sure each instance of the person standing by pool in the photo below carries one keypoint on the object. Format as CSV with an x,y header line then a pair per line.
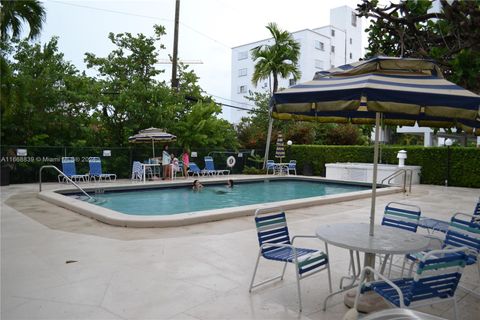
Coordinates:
x,y
186,162
197,186
166,159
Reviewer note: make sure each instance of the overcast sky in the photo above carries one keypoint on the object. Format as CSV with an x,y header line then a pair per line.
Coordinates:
x,y
208,29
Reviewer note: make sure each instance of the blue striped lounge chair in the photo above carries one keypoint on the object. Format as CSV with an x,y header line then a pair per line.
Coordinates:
x,y
95,165
435,280
276,245
194,169
210,167
433,225
69,170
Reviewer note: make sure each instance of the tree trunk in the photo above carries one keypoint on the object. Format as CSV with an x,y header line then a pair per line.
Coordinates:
x,y
275,82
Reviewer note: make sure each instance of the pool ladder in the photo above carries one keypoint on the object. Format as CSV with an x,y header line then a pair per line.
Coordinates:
x,y
407,175
90,198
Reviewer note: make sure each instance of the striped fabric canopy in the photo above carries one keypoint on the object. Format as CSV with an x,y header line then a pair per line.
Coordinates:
x,y
152,135
147,135
405,91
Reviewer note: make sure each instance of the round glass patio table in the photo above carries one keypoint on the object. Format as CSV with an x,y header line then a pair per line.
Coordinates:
x,y
355,237
386,240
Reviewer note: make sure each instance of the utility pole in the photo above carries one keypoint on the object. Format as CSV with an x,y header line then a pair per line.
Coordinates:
x,y
175,46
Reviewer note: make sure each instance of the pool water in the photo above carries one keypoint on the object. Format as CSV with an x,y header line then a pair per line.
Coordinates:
x,y
168,201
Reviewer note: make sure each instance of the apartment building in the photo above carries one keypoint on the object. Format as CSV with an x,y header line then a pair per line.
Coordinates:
x,y
322,48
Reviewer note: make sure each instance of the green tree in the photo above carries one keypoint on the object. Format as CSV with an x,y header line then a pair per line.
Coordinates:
x,y
14,13
278,59
201,128
408,28
46,98
130,97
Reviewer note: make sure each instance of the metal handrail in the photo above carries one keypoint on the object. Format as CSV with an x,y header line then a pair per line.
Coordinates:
x,y
68,179
406,173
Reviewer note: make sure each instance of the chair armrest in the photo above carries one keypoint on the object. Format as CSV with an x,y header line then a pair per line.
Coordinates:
x,y
381,276
303,236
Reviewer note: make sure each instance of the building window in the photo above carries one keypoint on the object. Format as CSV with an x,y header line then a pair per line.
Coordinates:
x,y
354,19
242,55
292,82
242,72
332,32
319,45
319,64
242,89
351,55
333,49
350,40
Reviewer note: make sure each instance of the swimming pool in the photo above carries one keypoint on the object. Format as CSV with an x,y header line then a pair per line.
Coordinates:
x,y
67,197
168,201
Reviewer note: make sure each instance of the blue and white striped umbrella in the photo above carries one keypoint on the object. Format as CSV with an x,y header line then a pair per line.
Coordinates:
x,y
404,91
280,152
152,135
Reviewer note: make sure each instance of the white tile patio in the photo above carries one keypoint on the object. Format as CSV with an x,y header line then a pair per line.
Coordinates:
x,y
193,272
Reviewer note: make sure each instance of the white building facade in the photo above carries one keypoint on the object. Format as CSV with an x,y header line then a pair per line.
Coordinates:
x,y
320,49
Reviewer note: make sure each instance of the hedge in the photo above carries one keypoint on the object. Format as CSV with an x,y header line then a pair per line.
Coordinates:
x,y
464,162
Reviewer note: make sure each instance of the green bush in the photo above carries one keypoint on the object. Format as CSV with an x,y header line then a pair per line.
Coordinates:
x,y
464,161
252,170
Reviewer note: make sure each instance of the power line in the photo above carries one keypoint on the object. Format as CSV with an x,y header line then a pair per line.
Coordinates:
x,y
239,102
142,16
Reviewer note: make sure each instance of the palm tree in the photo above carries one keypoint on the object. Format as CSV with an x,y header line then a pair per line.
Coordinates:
x,y
281,58
15,13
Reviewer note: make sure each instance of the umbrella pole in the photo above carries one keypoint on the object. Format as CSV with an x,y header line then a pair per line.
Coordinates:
x,y
153,148
375,164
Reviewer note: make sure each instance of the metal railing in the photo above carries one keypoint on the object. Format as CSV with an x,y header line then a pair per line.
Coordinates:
x,y
407,175
67,178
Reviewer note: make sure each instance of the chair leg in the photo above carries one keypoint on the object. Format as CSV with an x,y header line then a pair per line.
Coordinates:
x,y
455,309
255,270
284,268
298,287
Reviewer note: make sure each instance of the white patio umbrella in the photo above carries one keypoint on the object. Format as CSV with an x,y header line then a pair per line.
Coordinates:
x,y
152,135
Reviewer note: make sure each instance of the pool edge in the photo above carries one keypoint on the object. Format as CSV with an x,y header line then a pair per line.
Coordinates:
x,y
115,218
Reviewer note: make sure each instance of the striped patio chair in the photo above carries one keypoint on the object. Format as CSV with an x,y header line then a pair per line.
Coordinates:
x,y
137,171
275,245
435,280
270,165
463,233
433,225
402,216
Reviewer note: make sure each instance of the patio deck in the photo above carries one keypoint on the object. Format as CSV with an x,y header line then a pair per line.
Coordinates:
x,y
192,272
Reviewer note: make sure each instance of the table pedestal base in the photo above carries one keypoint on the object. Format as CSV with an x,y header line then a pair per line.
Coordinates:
x,y
368,302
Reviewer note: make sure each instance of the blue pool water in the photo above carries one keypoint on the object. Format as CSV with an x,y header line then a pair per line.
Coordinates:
x,y
168,201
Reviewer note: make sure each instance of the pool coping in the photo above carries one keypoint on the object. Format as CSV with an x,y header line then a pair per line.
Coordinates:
x,y
116,218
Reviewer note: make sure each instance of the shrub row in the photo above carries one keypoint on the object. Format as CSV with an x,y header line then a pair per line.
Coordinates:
x,y
464,162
